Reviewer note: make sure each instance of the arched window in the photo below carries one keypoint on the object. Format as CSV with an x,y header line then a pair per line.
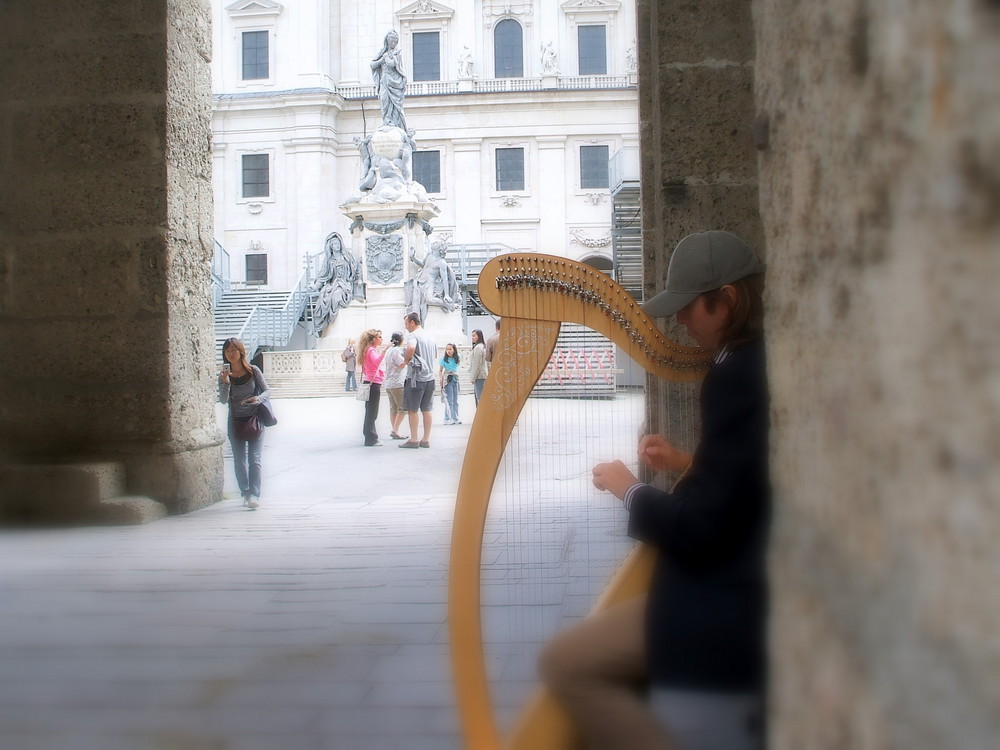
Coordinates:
x,y
508,49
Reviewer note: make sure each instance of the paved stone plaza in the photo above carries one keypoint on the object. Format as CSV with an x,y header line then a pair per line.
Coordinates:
x,y
316,622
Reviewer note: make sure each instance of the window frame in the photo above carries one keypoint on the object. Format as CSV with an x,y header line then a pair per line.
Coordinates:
x,y
251,16
494,47
246,268
523,189
243,174
580,165
260,33
579,49
440,152
414,56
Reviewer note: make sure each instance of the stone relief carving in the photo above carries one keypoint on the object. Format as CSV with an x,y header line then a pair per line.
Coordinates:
x,y
511,201
384,256
580,239
595,199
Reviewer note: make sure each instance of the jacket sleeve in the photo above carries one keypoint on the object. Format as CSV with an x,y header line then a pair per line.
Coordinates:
x,y
223,391
718,498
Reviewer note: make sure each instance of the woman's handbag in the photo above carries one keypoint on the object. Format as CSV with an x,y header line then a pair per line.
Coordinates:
x,y
266,414
364,391
248,430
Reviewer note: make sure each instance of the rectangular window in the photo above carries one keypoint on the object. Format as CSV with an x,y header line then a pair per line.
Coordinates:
x,y
594,167
510,169
257,268
256,176
426,56
427,170
255,58
592,44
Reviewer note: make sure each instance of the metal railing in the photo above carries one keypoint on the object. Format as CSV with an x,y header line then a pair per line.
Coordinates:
x,y
221,282
270,327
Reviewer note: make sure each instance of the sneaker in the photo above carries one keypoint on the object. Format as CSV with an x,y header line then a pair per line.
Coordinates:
x,y
253,502
376,444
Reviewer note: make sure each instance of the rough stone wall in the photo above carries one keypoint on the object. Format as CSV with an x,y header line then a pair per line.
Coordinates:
x,y
698,161
880,195
105,241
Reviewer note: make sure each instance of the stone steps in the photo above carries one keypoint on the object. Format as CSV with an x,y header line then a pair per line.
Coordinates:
x,y
72,494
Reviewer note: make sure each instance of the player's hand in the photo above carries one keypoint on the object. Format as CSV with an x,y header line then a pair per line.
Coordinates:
x,y
615,477
659,455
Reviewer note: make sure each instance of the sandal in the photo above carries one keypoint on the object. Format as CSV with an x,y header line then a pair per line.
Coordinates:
x,y
394,436
425,444
409,444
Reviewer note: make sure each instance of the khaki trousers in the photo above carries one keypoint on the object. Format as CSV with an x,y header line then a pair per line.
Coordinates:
x,y
597,671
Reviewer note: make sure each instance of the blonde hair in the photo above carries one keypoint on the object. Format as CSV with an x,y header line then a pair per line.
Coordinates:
x,y
366,340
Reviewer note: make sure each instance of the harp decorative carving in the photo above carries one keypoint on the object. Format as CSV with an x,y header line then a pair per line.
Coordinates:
x,y
534,294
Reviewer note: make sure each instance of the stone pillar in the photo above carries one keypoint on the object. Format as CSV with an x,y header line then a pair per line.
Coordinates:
x,y
698,163
106,243
880,195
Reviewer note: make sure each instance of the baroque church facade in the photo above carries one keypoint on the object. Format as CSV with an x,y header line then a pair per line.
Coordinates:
x,y
525,118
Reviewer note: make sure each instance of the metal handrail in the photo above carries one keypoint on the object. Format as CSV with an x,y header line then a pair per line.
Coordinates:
x,y
266,326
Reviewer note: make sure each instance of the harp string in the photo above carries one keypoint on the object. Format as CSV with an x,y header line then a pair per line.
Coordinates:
x,y
561,538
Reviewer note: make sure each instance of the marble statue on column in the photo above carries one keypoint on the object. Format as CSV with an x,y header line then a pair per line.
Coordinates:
x,y
338,284
387,154
390,81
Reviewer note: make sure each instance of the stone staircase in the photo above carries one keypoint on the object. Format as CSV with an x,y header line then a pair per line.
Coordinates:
x,y
259,317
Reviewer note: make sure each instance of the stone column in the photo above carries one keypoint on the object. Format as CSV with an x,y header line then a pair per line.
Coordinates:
x,y
698,163
106,244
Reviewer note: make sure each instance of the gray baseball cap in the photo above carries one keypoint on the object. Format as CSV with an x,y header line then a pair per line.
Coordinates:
x,y
702,262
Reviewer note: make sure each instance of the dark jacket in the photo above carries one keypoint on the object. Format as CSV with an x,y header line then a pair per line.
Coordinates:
x,y
708,598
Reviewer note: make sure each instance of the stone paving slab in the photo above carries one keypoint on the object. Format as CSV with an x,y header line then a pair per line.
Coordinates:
x,y
316,622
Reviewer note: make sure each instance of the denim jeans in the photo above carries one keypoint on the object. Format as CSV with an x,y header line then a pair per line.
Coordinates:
x,y
451,400
478,384
351,383
246,462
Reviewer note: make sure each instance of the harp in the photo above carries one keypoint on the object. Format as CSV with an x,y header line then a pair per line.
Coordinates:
x,y
534,294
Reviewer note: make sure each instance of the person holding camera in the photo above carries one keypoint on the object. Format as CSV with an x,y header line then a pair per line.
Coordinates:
x,y
243,387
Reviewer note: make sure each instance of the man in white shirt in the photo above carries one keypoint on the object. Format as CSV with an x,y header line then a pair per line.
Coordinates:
x,y
418,390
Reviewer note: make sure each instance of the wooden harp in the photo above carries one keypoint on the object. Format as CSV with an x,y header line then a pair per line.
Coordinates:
x,y
534,294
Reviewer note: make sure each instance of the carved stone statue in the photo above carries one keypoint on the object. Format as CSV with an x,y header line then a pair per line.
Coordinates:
x,y
549,62
630,58
339,282
390,81
436,284
465,62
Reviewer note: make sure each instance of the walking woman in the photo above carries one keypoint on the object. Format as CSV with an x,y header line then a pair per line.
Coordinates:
x,y
350,359
371,372
243,387
449,383
477,364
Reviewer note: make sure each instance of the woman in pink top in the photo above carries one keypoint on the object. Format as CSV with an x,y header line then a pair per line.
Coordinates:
x,y
371,359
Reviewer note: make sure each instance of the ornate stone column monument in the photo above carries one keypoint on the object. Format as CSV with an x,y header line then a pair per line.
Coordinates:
x,y
390,222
